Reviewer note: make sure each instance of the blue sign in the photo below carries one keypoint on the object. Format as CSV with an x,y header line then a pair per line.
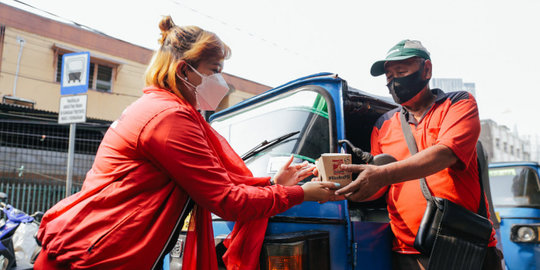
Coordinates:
x,y
75,73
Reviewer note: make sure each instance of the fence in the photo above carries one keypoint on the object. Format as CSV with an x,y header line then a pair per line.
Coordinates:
x,y
34,197
33,157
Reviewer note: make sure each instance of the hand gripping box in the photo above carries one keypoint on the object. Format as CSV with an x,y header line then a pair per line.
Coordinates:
x,y
329,168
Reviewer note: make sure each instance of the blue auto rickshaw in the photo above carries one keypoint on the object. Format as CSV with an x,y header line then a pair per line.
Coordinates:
x,y
515,191
308,117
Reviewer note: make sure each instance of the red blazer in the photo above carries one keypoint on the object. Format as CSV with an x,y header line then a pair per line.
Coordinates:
x,y
159,152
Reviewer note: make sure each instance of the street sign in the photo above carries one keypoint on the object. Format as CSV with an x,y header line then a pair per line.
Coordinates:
x,y
75,73
72,109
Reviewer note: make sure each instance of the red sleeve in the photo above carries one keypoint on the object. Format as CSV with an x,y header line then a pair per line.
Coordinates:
x,y
375,150
174,140
460,130
375,146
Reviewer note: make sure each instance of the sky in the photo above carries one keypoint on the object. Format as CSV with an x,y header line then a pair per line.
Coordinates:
x,y
491,43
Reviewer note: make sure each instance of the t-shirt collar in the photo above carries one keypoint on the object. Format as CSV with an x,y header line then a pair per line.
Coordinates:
x,y
440,96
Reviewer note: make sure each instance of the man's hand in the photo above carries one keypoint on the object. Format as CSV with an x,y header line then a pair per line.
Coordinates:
x,y
369,181
373,178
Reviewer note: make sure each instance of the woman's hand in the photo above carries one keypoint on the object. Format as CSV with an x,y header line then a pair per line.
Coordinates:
x,y
319,191
332,198
290,175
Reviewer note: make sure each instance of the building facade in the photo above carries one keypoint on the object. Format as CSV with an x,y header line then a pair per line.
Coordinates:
x,y
33,42
33,146
501,144
453,84
535,147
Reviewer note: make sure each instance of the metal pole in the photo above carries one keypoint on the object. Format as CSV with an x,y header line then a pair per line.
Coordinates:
x,y
71,153
21,42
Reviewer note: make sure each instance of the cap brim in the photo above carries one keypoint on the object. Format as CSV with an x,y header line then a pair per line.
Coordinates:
x,y
377,68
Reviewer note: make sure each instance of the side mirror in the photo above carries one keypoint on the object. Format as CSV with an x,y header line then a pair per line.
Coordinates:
x,y
382,159
367,157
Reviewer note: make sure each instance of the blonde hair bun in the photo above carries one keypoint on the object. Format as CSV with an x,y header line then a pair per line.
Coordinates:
x,y
165,25
181,43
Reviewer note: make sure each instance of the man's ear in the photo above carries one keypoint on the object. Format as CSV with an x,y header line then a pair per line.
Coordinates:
x,y
428,69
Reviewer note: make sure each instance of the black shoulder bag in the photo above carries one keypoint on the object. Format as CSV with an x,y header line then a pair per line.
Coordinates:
x,y
453,237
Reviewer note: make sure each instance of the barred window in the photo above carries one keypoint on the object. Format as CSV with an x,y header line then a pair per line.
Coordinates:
x,y
104,78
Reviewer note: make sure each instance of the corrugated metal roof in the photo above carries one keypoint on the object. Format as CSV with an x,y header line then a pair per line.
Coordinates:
x,y
14,112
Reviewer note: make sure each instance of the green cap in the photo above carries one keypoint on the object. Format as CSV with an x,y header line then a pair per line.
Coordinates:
x,y
405,49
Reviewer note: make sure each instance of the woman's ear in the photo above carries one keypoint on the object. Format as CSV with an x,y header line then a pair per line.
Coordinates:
x,y
181,69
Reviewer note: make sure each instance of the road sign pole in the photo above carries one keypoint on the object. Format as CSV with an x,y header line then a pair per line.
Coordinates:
x,y
71,153
74,81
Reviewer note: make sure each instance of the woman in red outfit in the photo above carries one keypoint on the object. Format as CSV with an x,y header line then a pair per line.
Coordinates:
x,y
156,156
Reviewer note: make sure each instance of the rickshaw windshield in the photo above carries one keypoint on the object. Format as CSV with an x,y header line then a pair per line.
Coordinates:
x,y
514,186
302,113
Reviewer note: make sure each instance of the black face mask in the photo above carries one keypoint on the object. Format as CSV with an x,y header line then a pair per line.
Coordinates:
x,y
404,88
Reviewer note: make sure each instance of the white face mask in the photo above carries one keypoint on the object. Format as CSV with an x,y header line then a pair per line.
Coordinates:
x,y
211,91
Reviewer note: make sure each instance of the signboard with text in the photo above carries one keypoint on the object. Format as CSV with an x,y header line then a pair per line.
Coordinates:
x,y
75,73
72,109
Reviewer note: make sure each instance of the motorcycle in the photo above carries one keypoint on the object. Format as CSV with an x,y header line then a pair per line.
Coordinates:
x,y
18,245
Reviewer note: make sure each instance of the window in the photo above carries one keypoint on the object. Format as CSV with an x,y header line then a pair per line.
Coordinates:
x,y
100,75
514,186
304,113
104,78
497,143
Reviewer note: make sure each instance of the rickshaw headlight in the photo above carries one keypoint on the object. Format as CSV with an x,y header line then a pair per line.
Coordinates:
x,y
524,233
296,250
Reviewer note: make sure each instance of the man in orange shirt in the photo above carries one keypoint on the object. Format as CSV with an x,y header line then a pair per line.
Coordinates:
x,y
446,128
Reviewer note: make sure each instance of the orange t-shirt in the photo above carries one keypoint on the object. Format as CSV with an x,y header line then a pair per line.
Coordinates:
x,y
451,121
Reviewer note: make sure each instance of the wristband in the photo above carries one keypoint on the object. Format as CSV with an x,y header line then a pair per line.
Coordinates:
x,y
272,181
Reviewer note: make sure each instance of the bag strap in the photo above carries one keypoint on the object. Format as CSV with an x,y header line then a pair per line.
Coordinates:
x,y
482,175
413,149
484,182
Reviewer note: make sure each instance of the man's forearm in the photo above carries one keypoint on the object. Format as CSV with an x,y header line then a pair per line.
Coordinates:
x,y
422,164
